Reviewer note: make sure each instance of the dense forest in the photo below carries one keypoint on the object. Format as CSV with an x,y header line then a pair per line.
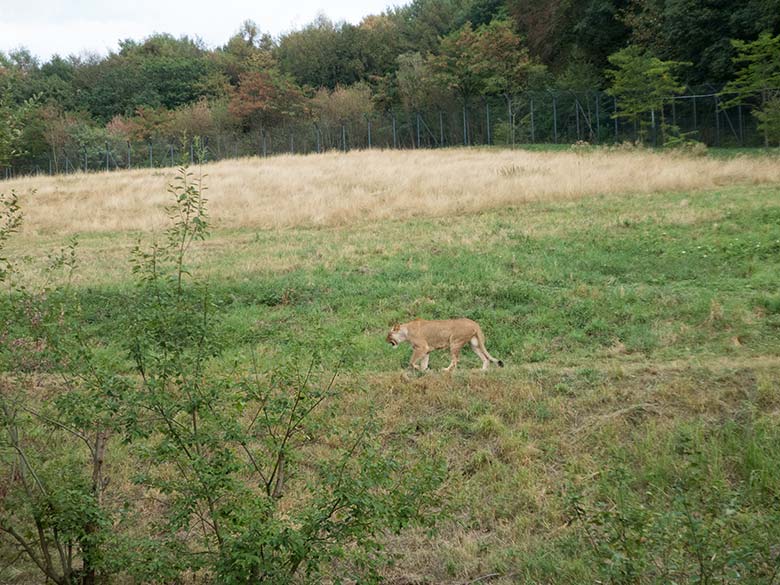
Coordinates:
x,y
430,55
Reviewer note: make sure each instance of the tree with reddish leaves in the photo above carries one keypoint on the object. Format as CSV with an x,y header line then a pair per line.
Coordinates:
x,y
457,62
491,60
502,63
265,99
501,60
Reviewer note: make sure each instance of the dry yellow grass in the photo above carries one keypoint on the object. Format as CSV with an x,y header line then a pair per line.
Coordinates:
x,y
338,189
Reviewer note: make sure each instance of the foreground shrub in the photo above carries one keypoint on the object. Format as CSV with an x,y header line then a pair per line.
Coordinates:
x,y
239,476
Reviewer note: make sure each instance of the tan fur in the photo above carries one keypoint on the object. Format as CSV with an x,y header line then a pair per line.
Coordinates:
x,y
425,336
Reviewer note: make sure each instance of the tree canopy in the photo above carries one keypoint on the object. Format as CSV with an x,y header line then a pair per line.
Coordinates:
x,y
423,54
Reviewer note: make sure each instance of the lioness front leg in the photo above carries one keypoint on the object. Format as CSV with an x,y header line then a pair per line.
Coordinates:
x,y
419,353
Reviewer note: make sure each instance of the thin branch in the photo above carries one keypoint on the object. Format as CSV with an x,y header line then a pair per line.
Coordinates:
x,y
63,559
13,561
64,427
27,548
254,463
44,546
13,434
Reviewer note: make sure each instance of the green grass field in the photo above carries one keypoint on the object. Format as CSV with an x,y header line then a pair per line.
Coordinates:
x,y
633,435
622,279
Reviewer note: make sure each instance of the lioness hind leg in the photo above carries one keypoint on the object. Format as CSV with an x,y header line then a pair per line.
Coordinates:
x,y
424,362
474,342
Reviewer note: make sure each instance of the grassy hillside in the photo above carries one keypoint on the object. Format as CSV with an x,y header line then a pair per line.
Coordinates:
x,y
633,435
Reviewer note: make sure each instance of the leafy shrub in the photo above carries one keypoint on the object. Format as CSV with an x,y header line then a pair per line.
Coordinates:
x,y
241,476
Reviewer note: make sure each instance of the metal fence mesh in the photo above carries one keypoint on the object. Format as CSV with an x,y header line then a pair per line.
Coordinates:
x,y
553,117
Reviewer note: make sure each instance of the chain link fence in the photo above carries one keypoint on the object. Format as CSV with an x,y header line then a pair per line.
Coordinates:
x,y
542,117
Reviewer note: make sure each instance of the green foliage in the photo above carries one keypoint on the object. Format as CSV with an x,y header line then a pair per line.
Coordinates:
x,y
257,479
422,23
501,59
418,85
327,54
52,508
490,59
642,84
11,128
160,72
10,222
759,75
689,30
769,120
760,68
457,62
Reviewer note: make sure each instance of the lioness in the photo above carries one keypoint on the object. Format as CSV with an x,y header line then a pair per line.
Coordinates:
x,y
426,336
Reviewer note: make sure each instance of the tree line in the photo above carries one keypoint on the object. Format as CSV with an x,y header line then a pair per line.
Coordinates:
x,y
429,54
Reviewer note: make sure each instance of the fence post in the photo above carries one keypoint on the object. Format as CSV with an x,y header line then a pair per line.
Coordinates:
x,y
465,126
577,116
129,153
51,169
510,136
533,124
652,125
151,159
598,117
107,156
395,133
344,136
369,132
317,132
741,130
695,121
418,129
487,120
555,118
86,167
615,116
441,129
717,122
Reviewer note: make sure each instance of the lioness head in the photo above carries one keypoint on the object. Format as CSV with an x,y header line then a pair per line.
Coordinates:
x,y
395,336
